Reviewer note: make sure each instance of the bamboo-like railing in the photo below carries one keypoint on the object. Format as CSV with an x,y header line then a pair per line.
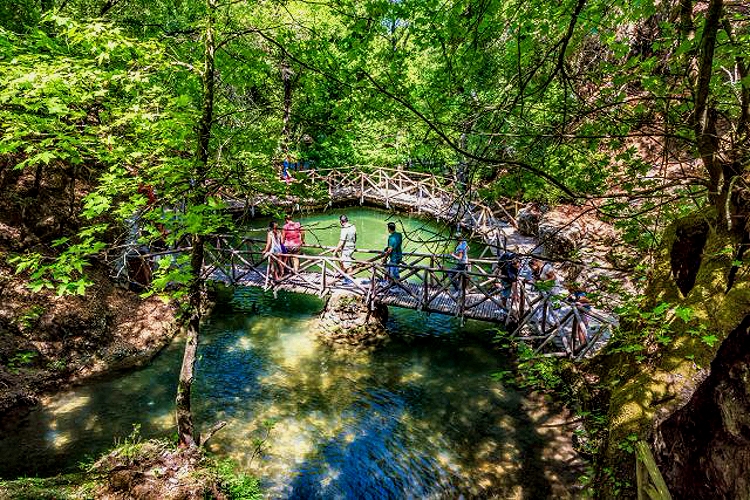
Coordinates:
x,y
649,481
427,282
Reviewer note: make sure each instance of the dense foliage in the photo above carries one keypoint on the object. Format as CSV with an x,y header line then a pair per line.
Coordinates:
x,y
644,104
152,110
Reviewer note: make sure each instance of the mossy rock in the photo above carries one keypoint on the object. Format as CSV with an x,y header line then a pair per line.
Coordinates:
x,y
642,394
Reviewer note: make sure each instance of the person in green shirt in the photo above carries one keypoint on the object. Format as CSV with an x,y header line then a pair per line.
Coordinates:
x,y
393,252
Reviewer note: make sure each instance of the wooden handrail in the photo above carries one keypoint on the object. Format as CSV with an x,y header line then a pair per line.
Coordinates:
x,y
649,481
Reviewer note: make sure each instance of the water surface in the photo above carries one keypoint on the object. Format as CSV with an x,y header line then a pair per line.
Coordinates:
x,y
418,418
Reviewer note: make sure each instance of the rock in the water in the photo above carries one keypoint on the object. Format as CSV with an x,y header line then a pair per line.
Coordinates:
x,y
347,320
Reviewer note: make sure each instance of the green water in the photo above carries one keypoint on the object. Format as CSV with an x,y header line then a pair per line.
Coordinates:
x,y
418,418
419,235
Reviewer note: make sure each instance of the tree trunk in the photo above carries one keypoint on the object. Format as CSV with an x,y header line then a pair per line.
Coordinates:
x,y
286,131
187,434
704,118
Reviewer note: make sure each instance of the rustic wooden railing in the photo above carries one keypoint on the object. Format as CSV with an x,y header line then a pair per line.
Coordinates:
x,y
427,282
649,481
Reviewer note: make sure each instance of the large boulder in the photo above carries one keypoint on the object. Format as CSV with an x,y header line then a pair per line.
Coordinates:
x,y
528,220
348,321
559,235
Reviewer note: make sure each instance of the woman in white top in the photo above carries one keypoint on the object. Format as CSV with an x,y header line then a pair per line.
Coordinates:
x,y
273,246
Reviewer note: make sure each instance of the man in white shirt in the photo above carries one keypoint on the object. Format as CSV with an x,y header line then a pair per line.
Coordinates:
x,y
461,257
347,243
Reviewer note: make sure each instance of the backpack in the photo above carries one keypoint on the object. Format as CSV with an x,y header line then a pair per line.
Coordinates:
x,y
509,265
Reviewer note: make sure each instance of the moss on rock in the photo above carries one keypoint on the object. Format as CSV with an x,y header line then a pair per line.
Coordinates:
x,y
646,386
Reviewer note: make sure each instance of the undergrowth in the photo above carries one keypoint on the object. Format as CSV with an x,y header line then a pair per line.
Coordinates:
x,y
133,458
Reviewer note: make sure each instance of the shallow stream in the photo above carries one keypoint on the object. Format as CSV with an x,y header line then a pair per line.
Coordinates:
x,y
418,418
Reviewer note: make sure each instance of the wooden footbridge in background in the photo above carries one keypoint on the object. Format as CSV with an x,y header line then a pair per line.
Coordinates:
x,y
553,323
437,197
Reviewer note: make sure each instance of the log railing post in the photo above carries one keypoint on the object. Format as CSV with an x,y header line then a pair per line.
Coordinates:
x,y
323,274
371,290
649,481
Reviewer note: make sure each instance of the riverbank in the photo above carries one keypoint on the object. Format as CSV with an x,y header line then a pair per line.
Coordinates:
x,y
48,342
142,469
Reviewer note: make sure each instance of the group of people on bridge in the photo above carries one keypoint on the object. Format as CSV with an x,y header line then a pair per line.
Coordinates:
x,y
510,271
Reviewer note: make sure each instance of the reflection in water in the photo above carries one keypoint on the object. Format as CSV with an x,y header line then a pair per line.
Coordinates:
x,y
418,418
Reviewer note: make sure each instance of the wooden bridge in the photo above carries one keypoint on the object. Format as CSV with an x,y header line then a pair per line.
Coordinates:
x,y
416,192
555,324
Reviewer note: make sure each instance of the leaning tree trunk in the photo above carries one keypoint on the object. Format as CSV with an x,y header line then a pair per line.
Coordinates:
x,y
187,433
705,116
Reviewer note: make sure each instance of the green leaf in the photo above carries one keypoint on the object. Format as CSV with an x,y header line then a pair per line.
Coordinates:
x,y
684,313
661,308
709,340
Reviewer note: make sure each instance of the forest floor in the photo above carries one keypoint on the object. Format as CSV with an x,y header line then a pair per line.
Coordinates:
x,y
143,470
49,341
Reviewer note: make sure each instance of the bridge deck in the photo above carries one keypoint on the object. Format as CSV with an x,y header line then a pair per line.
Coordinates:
x,y
404,294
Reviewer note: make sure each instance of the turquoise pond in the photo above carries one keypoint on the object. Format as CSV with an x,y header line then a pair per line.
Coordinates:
x,y
420,417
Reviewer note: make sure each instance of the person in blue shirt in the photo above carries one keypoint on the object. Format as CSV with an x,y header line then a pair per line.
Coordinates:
x,y
393,252
286,165
461,256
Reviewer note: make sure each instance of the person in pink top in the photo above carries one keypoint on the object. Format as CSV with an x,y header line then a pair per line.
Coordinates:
x,y
293,237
